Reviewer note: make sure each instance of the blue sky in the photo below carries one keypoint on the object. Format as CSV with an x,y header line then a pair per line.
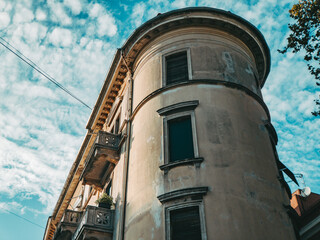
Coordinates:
x,y
74,41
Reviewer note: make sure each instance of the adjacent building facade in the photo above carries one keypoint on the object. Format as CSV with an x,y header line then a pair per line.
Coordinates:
x,y
306,215
181,138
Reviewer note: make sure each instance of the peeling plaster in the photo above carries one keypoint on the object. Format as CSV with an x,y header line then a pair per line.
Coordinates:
x,y
150,139
156,209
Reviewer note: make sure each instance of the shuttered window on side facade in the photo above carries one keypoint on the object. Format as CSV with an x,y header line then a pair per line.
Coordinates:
x,y
185,224
176,68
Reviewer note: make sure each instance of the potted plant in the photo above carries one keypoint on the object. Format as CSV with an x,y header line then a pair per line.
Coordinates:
x,y
105,201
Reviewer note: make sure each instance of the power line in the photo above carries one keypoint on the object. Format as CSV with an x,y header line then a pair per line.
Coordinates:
x,y
36,224
39,70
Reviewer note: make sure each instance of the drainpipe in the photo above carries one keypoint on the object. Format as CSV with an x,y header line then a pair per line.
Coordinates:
x,y
127,152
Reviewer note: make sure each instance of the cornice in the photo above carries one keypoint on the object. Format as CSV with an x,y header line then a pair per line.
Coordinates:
x,y
202,81
177,19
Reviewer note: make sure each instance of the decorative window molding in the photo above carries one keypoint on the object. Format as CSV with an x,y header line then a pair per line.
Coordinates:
x,y
191,130
178,107
185,192
192,161
180,61
180,144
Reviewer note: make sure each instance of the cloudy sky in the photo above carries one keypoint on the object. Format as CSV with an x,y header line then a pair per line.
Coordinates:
x,y
42,128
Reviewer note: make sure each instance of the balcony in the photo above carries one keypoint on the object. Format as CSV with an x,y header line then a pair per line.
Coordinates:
x,y
102,158
96,223
67,225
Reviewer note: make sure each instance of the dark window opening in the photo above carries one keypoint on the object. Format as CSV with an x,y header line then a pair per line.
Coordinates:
x,y
180,139
177,67
116,126
108,188
185,224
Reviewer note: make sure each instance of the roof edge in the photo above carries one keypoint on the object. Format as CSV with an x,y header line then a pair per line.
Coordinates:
x,y
160,17
70,175
115,62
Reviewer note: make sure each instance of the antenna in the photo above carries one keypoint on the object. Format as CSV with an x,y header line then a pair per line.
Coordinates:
x,y
305,192
300,175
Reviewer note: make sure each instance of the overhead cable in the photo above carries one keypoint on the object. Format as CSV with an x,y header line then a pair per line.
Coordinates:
x,y
25,219
20,55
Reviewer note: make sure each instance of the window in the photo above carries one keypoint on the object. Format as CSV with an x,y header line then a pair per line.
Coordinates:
x,y
186,221
185,224
108,188
180,138
116,125
176,67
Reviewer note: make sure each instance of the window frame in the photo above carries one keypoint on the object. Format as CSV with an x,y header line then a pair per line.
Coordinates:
x,y
199,204
166,119
164,65
116,124
108,187
182,109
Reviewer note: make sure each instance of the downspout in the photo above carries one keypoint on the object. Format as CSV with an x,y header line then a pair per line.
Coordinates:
x,y
127,152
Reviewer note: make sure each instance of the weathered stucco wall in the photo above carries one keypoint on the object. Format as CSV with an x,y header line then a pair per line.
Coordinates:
x,y
214,55
245,199
233,178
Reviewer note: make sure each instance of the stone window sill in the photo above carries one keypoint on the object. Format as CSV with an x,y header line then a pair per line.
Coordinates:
x,y
193,161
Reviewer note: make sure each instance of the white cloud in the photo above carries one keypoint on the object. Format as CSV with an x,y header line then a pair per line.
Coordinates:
x,y
138,13
96,10
40,15
2,5
61,37
35,116
34,32
9,205
74,5
183,3
22,15
58,13
5,6
4,19
106,26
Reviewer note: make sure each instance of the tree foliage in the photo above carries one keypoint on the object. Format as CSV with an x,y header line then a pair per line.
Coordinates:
x,y
305,34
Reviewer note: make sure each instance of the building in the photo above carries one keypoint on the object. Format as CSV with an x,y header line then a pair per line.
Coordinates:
x,y
181,138
306,214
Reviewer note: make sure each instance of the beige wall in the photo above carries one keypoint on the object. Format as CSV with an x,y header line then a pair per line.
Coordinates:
x,y
214,55
245,199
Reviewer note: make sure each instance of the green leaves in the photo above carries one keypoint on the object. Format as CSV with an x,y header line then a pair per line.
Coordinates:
x,y
305,34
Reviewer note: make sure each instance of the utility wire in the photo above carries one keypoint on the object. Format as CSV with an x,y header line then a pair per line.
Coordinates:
x,y
36,224
38,69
